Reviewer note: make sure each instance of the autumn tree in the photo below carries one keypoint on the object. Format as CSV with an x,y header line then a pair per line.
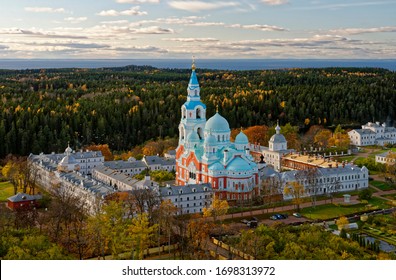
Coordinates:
x,y
141,234
11,173
216,209
322,138
342,222
391,163
198,232
297,192
67,215
340,138
104,148
310,176
271,190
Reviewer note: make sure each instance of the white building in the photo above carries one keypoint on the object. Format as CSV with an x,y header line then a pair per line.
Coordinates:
x,y
277,148
385,158
119,181
160,163
188,199
56,177
130,167
344,178
373,134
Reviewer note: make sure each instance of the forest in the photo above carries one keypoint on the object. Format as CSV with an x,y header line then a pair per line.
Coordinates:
x,y
43,110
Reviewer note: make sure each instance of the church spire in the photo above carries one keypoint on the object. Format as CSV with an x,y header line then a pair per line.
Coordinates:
x,y
277,128
193,63
193,89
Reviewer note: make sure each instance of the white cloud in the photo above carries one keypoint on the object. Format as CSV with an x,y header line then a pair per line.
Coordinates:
x,y
44,10
75,19
191,40
123,21
152,30
38,33
134,11
261,27
197,6
336,6
275,2
355,31
137,1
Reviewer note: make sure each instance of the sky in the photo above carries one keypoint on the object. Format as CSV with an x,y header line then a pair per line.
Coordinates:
x,y
140,29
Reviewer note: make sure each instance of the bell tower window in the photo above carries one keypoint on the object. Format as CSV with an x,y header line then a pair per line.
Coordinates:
x,y
198,113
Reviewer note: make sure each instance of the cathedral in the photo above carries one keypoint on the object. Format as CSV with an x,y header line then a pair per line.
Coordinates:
x,y
205,153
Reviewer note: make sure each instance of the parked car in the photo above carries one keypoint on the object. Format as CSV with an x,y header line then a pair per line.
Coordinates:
x,y
297,215
279,216
252,224
274,217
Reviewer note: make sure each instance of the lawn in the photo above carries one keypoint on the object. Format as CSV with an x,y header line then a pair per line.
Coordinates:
x,y
6,190
331,211
382,185
345,158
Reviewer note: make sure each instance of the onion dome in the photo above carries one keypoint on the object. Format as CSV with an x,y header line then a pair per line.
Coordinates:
x,y
217,123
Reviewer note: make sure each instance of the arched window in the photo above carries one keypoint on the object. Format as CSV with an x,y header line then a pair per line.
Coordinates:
x,y
223,138
198,113
218,138
184,113
199,131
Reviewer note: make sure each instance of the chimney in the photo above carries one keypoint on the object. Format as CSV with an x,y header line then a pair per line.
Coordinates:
x,y
226,156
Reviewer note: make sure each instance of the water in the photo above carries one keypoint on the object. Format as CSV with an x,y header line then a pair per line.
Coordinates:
x,y
221,64
384,246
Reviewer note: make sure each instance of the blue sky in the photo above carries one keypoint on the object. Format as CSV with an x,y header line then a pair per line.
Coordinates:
x,y
206,29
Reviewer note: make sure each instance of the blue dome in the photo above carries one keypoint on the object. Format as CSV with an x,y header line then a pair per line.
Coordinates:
x,y
193,137
241,138
216,167
210,140
238,164
217,123
278,138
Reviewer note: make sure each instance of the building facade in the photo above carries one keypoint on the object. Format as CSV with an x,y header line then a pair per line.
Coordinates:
x,y
188,199
205,153
373,134
325,181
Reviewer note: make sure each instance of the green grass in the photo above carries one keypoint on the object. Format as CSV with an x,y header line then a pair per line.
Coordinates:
x,y
379,202
382,185
345,158
331,211
6,190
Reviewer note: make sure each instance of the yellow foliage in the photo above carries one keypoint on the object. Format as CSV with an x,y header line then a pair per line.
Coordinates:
x,y
84,87
282,104
307,121
342,222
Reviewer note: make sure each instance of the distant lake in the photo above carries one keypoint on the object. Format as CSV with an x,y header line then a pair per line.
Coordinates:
x,y
221,64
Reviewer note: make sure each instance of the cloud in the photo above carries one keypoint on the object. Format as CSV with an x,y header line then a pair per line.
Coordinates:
x,y
38,33
261,27
355,31
123,21
197,6
140,49
44,10
275,2
344,5
152,30
191,40
75,19
137,1
134,11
